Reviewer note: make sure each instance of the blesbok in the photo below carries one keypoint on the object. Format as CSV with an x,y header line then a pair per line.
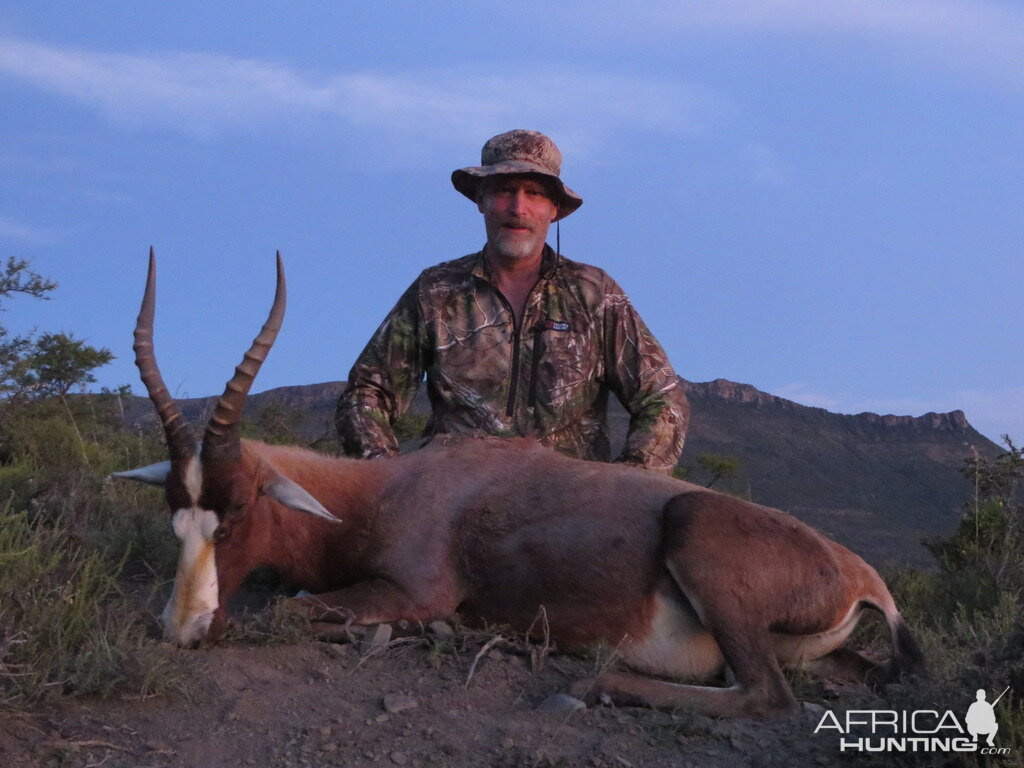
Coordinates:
x,y
684,582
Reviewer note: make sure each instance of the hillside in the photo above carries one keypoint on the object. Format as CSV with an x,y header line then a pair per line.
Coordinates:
x,y
878,484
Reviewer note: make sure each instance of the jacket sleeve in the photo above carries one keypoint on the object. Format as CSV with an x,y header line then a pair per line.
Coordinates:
x,y
383,381
639,373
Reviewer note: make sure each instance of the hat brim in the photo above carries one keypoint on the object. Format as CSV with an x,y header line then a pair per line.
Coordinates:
x,y
468,180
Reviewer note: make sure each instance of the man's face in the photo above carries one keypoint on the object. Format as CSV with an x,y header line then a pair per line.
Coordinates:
x,y
517,213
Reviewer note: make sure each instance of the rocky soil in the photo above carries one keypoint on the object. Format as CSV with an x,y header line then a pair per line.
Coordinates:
x,y
416,701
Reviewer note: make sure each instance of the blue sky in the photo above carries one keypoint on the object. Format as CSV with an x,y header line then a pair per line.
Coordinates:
x,y
823,198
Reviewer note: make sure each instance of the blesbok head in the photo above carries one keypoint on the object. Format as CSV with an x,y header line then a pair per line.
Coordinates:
x,y
214,488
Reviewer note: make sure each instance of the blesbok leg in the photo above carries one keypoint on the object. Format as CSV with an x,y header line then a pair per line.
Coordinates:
x,y
759,691
376,601
843,665
748,572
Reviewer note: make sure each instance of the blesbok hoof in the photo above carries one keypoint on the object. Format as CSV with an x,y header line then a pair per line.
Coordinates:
x,y
332,633
588,690
561,702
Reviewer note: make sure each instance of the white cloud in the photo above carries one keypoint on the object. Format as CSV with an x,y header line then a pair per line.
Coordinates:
x,y
983,37
205,95
16,230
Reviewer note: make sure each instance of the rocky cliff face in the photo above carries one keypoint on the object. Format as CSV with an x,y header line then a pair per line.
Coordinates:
x,y
879,484
876,483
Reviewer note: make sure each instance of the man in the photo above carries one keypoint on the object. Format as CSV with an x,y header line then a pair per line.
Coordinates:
x,y
517,339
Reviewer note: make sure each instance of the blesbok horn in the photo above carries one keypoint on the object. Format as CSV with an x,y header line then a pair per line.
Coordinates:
x,y
180,442
222,441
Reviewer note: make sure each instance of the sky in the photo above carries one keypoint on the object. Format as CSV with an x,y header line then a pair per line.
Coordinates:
x,y
822,198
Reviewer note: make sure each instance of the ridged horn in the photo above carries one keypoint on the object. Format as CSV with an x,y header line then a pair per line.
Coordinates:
x,y
222,442
180,442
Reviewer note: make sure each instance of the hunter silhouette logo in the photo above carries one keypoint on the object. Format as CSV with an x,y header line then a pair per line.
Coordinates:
x,y
920,730
981,717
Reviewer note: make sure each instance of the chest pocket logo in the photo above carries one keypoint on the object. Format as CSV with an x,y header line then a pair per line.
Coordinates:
x,y
557,370
556,325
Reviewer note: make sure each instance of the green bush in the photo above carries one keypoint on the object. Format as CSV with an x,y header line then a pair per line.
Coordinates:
x,y
969,614
65,626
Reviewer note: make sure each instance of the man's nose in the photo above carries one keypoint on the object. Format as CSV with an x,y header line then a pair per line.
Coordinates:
x,y
517,202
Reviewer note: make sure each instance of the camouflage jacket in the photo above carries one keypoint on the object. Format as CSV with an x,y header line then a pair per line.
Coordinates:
x,y
549,378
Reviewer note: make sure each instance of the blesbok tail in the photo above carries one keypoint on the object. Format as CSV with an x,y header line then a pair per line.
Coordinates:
x,y
907,660
907,657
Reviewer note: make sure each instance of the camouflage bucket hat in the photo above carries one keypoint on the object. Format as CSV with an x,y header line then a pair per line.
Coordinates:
x,y
519,152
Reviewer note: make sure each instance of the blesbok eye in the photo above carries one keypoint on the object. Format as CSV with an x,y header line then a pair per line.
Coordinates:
x,y
219,533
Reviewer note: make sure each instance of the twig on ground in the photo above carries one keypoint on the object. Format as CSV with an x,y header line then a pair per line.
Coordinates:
x,y
386,647
539,655
480,654
62,744
600,670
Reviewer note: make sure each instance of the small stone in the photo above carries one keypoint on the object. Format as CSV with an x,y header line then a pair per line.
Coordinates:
x,y
398,758
812,710
337,650
325,732
507,743
398,702
441,629
383,717
376,638
560,702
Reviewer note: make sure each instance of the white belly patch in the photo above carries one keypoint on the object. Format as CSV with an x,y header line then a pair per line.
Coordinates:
x,y
677,645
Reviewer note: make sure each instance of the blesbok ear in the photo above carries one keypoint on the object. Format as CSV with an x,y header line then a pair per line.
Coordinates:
x,y
294,496
153,474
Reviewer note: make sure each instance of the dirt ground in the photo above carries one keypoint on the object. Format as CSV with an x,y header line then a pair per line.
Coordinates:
x,y
312,703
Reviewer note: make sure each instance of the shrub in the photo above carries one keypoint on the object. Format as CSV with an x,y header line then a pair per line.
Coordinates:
x,y
969,614
65,627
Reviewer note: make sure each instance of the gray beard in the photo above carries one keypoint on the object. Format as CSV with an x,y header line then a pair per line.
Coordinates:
x,y
515,249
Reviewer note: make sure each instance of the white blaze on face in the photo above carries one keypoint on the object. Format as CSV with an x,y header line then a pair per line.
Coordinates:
x,y
190,610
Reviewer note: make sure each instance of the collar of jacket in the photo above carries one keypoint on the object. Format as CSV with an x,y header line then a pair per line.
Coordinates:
x,y
549,262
